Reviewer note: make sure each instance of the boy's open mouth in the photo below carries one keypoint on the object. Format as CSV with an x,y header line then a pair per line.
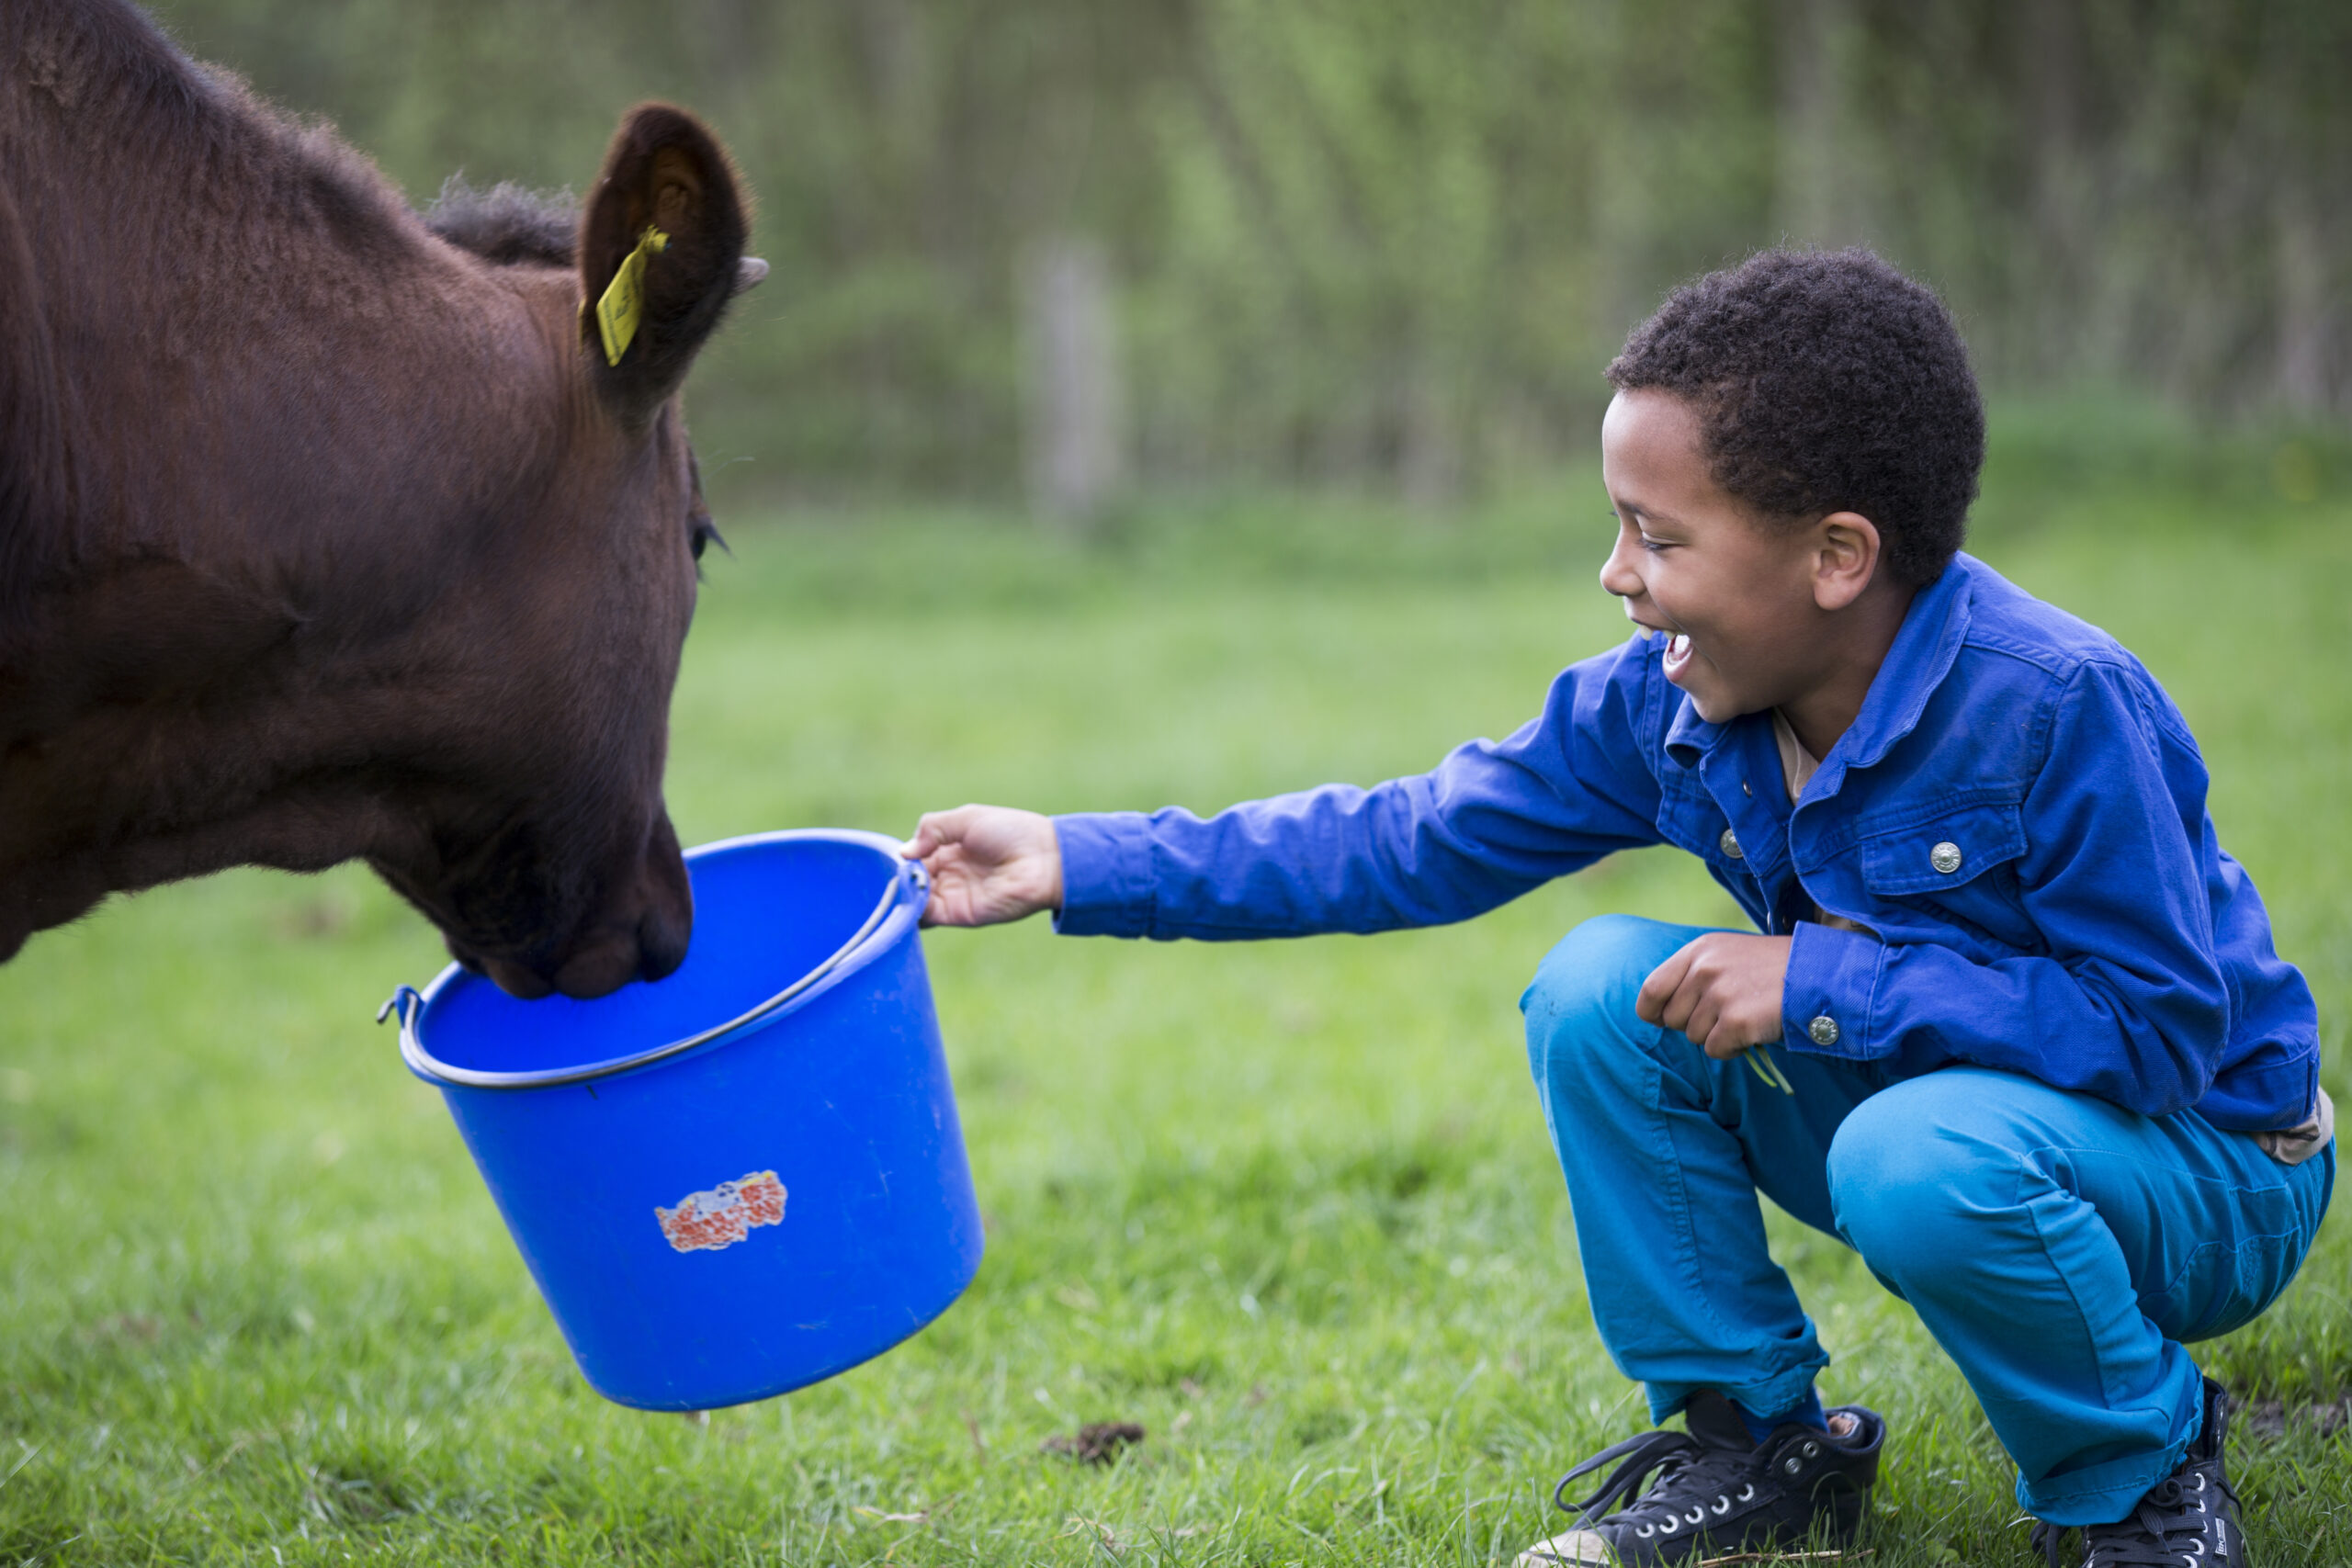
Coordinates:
x,y
1678,653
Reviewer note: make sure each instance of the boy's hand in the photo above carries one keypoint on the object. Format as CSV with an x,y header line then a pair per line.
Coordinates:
x,y
988,865
1722,990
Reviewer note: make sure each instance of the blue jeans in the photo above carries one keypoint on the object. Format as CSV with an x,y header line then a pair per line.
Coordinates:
x,y
2061,1249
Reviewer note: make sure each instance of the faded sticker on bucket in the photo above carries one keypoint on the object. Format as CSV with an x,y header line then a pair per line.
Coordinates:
x,y
705,1222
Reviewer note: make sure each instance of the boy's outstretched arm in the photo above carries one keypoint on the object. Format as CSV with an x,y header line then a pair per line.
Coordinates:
x,y
988,865
1489,822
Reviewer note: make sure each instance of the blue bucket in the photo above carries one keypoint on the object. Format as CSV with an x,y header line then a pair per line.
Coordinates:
x,y
749,1176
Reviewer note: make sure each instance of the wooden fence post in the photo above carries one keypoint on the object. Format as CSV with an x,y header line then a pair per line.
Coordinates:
x,y
1076,405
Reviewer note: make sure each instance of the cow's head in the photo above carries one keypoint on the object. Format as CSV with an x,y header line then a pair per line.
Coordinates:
x,y
322,537
534,832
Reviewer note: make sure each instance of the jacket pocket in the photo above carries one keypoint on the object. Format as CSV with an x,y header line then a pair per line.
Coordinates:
x,y
1943,852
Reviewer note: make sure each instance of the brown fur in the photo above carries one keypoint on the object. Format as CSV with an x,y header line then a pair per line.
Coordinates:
x,y
323,536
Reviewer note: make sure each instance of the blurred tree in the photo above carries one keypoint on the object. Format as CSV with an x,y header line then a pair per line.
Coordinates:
x,y
1819,178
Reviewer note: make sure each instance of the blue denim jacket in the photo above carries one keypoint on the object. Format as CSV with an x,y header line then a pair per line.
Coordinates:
x,y
2018,813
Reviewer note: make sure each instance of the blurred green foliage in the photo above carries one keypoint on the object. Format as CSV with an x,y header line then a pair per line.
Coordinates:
x,y
1389,243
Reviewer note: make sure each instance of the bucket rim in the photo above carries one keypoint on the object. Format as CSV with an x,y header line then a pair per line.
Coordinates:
x,y
903,899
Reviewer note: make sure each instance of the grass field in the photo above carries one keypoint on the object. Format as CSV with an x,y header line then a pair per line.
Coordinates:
x,y
1289,1206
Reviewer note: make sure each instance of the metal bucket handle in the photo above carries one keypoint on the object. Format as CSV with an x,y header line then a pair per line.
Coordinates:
x,y
408,1003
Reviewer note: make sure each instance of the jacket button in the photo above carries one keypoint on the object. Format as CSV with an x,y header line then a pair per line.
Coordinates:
x,y
1945,857
1823,1030
1729,844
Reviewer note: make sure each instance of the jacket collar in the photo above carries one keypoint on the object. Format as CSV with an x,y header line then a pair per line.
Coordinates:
x,y
1925,647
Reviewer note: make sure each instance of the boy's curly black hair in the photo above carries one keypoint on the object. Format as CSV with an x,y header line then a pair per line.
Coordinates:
x,y
1825,381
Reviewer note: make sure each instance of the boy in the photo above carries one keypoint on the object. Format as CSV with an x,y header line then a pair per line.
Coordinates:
x,y
2020,1037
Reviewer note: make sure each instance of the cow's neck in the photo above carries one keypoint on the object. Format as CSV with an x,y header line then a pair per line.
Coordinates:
x,y
272,362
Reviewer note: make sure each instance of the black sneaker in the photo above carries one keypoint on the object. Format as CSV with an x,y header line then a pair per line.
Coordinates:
x,y
2191,1518
1718,1491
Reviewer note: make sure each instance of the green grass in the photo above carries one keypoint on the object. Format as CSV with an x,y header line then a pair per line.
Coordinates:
x,y
1290,1206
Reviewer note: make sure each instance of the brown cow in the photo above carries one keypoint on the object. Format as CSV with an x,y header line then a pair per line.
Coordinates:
x,y
323,536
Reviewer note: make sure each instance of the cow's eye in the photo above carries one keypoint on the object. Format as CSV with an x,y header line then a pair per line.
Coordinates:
x,y
703,533
700,529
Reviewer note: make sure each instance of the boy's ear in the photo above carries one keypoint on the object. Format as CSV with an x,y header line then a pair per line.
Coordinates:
x,y
664,172
1846,558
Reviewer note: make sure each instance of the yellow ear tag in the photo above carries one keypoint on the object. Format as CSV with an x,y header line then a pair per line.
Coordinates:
x,y
623,305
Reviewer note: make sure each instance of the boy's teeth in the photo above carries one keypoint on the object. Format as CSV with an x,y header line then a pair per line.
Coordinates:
x,y
1678,644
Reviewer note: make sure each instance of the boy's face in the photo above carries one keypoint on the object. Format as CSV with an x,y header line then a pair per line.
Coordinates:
x,y
1734,593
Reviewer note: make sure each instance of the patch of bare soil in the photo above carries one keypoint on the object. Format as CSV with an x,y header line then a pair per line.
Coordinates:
x,y
2273,1417
1098,1442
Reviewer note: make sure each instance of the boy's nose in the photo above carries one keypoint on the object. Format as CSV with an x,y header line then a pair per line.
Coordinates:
x,y
1617,573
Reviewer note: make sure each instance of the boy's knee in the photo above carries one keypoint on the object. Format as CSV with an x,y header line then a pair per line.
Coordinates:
x,y
1914,1168
1584,990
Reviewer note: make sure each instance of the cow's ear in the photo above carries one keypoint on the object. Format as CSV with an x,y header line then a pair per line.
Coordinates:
x,y
667,209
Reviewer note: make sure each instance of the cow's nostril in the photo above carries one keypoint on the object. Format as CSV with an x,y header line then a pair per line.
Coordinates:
x,y
661,945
